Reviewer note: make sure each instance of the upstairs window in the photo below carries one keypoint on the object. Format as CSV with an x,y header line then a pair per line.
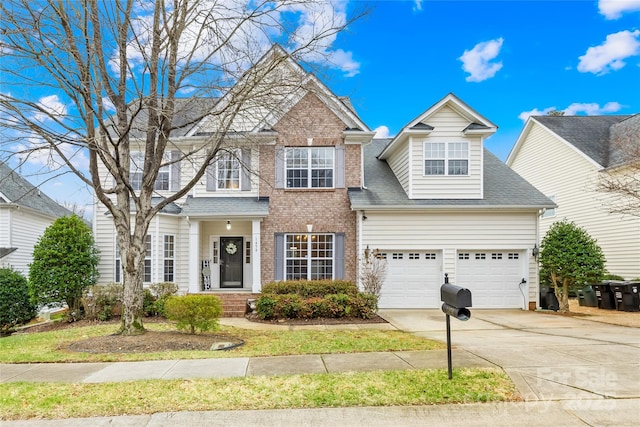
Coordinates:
x,y
446,158
163,181
309,167
228,172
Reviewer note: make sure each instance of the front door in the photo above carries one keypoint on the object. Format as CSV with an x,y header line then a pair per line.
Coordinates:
x,y
231,262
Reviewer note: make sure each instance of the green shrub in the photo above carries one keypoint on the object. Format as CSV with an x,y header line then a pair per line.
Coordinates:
x,y
612,277
191,312
156,297
311,288
65,263
293,306
100,301
16,307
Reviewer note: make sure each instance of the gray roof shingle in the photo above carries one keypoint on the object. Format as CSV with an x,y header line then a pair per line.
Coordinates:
x,y
589,134
21,192
502,187
226,206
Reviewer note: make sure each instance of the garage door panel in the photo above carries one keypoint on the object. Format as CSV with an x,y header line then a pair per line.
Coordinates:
x,y
413,280
493,277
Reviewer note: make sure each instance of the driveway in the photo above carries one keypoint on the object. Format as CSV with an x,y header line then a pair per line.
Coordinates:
x,y
548,357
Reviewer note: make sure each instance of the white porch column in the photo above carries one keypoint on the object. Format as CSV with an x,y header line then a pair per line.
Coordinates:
x,y
194,256
256,287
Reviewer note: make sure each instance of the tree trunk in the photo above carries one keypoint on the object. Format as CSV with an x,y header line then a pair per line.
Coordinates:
x,y
132,302
563,298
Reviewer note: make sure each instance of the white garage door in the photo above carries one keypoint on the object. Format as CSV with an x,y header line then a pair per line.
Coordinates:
x,y
413,280
493,277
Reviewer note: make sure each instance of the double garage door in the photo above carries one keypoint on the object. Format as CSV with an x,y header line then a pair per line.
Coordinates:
x,y
414,278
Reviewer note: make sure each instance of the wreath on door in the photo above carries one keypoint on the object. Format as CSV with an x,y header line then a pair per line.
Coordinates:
x,y
231,248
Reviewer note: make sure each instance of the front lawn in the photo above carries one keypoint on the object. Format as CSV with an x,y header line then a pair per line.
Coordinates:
x,y
378,388
51,346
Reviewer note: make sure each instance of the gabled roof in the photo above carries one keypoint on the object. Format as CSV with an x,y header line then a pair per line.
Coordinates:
x,y
18,191
302,83
478,123
503,188
590,135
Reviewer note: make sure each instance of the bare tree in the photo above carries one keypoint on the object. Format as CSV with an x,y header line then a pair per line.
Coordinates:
x,y
117,71
621,180
373,271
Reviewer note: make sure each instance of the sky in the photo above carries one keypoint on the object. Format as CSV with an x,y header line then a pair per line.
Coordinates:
x,y
506,59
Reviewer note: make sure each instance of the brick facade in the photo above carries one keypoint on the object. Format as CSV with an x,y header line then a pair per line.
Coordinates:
x,y
327,209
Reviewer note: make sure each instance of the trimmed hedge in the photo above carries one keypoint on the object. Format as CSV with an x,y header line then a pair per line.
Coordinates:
x,y
193,312
311,288
16,307
311,299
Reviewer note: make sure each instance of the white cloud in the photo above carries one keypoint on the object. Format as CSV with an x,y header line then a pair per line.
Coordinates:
x,y
477,61
613,9
576,108
36,152
51,108
591,109
417,5
611,54
381,132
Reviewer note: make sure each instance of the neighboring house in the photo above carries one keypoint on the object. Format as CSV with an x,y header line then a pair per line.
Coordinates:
x,y
564,157
436,202
25,212
303,196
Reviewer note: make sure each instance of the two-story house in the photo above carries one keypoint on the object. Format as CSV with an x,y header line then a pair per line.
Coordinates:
x,y
25,213
566,157
302,192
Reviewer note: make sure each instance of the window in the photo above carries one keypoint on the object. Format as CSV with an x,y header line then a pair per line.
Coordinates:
x,y
309,256
146,272
481,256
463,256
163,181
309,167
214,252
247,252
118,266
430,255
397,255
451,158
414,255
228,172
551,212
169,257
496,256
514,256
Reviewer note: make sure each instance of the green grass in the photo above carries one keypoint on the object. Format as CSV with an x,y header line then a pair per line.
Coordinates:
x,y
378,388
51,346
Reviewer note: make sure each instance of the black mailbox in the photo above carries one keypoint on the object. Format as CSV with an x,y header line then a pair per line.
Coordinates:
x,y
455,296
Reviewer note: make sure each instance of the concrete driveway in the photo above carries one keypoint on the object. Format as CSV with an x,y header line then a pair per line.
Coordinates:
x,y
549,357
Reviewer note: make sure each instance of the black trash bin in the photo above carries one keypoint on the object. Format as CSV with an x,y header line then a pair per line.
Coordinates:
x,y
604,296
626,295
587,296
548,298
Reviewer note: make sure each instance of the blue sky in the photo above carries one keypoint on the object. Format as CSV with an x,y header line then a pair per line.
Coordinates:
x,y
505,59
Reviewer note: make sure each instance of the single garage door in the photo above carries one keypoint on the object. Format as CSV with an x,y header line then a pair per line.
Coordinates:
x,y
493,277
413,280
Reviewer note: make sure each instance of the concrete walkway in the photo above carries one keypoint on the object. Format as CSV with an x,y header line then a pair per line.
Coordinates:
x,y
569,371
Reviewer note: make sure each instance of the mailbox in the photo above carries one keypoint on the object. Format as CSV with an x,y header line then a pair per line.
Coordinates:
x,y
455,296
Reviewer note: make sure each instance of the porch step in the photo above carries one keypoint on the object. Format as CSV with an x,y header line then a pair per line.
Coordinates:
x,y
234,304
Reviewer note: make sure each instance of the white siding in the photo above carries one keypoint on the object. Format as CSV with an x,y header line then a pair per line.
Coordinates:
x,y
452,231
448,126
399,164
558,170
24,228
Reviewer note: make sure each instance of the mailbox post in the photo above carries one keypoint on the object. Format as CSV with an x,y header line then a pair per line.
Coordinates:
x,y
455,301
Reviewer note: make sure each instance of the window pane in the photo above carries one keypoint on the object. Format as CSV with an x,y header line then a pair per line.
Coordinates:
x,y
169,245
458,167
309,256
458,150
434,167
434,150
168,270
146,274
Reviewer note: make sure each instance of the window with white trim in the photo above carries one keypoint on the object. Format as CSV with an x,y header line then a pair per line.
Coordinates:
x,y
163,181
550,212
169,257
309,256
446,158
309,167
118,266
146,272
228,175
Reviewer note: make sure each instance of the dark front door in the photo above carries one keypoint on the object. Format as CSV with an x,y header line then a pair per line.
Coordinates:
x,y
231,262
